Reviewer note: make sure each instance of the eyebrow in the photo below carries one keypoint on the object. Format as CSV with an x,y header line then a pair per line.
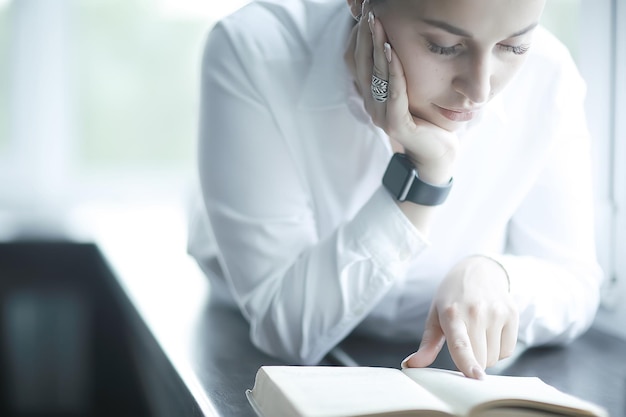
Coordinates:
x,y
460,32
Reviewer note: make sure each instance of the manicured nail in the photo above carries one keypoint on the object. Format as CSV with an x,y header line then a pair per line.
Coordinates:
x,y
404,364
370,20
387,49
478,373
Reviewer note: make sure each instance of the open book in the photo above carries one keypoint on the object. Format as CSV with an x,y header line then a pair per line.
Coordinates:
x,y
328,391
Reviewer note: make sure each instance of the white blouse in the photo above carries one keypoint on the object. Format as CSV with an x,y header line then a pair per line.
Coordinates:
x,y
299,234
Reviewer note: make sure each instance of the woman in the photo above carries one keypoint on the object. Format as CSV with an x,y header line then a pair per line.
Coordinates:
x,y
308,227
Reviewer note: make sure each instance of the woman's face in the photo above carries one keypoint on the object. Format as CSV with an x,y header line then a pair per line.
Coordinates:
x,y
457,54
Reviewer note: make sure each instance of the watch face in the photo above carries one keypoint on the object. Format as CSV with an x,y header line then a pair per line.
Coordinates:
x,y
398,174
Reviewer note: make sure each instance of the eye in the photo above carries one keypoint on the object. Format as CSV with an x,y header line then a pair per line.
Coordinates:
x,y
517,50
443,50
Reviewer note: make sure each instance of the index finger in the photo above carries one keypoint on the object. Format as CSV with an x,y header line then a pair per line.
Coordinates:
x,y
398,104
460,347
379,40
363,52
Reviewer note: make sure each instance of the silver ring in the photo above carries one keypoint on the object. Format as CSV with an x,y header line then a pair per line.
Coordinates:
x,y
380,89
358,17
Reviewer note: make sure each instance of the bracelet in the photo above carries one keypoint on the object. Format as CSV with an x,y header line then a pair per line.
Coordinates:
x,y
506,273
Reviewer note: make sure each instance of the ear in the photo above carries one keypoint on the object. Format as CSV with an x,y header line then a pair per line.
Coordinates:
x,y
356,7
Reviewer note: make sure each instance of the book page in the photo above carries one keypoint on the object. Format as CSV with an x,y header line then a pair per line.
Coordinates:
x,y
329,391
464,394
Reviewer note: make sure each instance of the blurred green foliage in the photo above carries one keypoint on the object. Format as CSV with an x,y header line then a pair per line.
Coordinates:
x,y
137,81
562,17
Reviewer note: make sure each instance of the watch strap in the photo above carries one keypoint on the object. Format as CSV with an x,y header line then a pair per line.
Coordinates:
x,y
403,182
426,194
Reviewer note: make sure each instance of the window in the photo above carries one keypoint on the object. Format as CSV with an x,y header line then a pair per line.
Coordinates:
x,y
603,64
619,162
136,73
562,17
4,76
137,65
102,100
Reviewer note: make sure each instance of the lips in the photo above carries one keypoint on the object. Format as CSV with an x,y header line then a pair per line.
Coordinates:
x,y
458,115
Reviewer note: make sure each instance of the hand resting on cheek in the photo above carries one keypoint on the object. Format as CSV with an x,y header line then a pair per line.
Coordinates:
x,y
431,148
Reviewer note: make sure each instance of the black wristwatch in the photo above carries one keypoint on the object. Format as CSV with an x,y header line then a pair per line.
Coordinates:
x,y
403,182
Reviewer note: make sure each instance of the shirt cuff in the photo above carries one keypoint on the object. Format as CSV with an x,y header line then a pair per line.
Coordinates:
x,y
386,234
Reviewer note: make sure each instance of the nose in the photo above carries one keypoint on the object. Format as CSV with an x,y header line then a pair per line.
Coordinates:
x,y
474,78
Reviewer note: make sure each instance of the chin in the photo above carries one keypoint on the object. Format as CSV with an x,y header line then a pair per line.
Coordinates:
x,y
453,126
439,121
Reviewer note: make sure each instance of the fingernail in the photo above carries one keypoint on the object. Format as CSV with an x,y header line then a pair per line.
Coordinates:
x,y
370,20
478,373
387,49
404,364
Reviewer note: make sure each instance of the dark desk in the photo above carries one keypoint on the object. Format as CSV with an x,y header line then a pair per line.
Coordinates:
x,y
593,368
202,357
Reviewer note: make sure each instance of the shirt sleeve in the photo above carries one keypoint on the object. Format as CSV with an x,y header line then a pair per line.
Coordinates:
x,y
551,258
301,294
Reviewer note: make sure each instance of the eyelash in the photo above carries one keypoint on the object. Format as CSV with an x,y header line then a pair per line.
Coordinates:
x,y
442,50
517,50
451,50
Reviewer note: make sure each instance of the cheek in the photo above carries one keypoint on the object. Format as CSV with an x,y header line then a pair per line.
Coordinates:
x,y
505,74
421,72
426,77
